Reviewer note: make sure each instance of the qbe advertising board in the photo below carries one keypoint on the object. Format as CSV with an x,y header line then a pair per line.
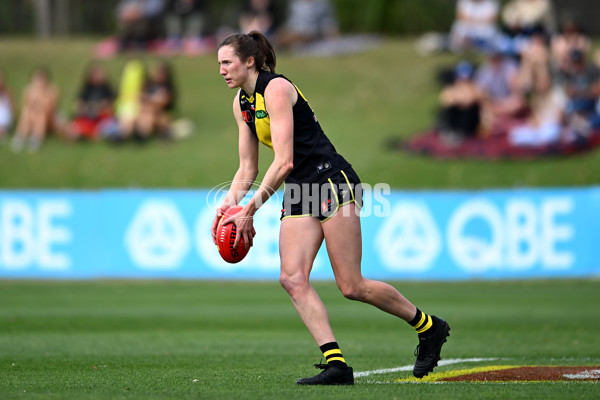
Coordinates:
x,y
406,235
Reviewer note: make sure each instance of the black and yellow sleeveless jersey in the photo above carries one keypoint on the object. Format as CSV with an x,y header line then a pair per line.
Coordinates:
x,y
315,158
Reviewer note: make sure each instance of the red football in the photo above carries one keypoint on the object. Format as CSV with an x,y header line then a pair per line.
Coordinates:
x,y
226,238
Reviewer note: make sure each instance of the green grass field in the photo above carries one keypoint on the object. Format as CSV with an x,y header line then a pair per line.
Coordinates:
x,y
361,100
243,340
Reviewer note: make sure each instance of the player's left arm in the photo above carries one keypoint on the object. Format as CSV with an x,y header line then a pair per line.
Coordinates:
x,y
280,97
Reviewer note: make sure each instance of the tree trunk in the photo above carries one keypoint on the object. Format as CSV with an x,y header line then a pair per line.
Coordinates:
x,y
42,18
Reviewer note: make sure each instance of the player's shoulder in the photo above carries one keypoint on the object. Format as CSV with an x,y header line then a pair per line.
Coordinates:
x,y
278,86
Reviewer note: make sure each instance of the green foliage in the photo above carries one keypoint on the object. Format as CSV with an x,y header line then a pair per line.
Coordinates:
x,y
395,16
383,16
82,17
243,340
15,17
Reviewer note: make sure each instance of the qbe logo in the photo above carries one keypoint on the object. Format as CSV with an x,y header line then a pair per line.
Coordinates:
x,y
409,239
480,236
515,236
35,234
157,237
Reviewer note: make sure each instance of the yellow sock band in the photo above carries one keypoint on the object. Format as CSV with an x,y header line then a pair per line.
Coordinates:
x,y
426,326
330,352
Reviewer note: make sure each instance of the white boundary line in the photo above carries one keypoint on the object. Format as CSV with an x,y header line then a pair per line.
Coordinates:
x,y
410,367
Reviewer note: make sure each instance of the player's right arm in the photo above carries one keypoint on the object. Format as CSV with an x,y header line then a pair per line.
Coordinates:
x,y
247,170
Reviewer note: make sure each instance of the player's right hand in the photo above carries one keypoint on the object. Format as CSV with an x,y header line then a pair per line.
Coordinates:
x,y
215,224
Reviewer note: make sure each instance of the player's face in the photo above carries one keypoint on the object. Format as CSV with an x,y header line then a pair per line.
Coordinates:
x,y
232,68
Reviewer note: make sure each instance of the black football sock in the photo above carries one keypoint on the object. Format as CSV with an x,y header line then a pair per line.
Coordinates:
x,y
423,323
333,355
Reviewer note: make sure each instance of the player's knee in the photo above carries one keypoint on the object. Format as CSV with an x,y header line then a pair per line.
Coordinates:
x,y
353,290
294,284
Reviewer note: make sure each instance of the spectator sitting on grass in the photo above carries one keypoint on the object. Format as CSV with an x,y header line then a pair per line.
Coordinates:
x,y
308,21
94,104
534,72
569,38
545,123
581,84
127,105
497,78
258,15
185,20
525,17
475,26
7,108
461,103
157,100
138,23
37,118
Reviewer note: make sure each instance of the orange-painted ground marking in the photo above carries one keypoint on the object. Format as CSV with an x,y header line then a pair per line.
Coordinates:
x,y
513,373
438,376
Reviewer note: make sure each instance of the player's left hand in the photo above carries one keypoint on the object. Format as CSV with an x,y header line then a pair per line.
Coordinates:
x,y
244,223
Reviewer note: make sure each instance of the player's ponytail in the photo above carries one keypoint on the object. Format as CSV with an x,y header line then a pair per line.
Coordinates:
x,y
256,45
265,49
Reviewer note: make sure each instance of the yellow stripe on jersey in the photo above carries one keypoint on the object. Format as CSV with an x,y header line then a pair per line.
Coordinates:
x,y
262,122
300,93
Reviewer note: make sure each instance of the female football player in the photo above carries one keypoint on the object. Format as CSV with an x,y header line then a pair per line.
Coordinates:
x,y
321,201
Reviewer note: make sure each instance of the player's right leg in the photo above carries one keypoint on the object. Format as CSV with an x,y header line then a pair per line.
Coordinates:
x,y
344,245
299,241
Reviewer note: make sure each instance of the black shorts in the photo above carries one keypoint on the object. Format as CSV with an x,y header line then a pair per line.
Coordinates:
x,y
322,200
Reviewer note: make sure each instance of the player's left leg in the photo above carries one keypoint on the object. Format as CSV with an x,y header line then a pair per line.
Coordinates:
x,y
344,245
343,238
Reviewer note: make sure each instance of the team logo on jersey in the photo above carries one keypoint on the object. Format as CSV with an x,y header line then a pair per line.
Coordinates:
x,y
260,114
252,107
247,115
